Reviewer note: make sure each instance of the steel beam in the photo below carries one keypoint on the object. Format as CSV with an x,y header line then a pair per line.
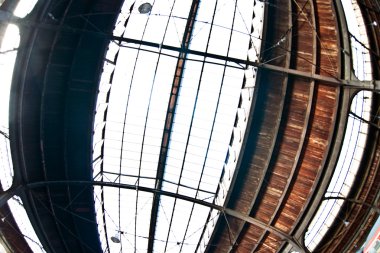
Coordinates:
x,y
169,120
355,201
373,85
5,196
377,127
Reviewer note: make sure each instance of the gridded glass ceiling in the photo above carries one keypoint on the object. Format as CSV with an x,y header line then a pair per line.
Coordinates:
x,y
343,178
172,120
361,61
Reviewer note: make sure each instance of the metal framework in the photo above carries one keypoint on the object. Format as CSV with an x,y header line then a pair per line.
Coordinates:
x,y
373,85
298,112
5,196
170,118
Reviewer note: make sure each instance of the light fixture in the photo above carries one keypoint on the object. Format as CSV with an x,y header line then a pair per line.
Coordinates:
x,y
145,8
116,238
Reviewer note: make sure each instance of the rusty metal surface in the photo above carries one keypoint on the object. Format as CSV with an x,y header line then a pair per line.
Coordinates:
x,y
261,140
362,217
321,124
279,182
290,135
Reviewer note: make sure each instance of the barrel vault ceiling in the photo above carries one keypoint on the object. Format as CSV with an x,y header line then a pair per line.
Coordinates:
x,y
190,126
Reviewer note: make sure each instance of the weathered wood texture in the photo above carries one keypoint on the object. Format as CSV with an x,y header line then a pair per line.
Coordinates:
x,y
301,158
361,217
262,135
291,143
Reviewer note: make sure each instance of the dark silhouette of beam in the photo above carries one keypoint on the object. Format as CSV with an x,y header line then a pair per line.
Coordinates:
x,y
5,196
170,119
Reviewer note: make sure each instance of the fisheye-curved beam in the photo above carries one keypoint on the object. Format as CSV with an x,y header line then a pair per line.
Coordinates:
x,y
5,196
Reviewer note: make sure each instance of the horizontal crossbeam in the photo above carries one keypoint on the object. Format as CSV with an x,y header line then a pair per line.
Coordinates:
x,y
5,196
373,85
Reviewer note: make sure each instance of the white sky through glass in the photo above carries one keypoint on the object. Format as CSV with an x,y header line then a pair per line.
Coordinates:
x,y
212,105
355,134
135,92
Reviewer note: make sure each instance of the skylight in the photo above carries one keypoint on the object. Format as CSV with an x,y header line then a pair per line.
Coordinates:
x,y
24,7
345,171
361,60
7,60
171,120
24,225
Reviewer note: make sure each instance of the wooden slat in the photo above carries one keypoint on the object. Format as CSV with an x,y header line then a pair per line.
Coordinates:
x,y
320,128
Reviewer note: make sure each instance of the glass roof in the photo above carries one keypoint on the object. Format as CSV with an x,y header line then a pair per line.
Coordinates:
x,y
172,121
361,60
24,225
7,60
345,171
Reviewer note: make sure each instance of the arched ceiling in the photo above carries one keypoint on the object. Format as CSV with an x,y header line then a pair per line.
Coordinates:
x,y
93,178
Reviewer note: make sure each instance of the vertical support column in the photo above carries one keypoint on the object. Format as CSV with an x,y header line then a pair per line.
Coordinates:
x,y
170,118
